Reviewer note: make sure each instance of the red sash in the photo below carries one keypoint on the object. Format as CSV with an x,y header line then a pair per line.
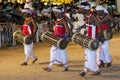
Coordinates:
x,y
59,31
89,31
104,27
25,30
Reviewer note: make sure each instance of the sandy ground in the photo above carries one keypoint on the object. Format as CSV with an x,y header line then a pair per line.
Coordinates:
x,y
12,57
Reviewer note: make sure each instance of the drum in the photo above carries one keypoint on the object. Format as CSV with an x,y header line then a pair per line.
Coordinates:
x,y
17,35
85,41
107,34
104,33
50,38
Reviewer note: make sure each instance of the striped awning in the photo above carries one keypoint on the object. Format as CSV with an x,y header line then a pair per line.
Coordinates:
x,y
46,1
57,1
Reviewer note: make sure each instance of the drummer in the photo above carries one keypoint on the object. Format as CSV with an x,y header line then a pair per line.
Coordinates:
x,y
61,30
104,19
90,55
29,29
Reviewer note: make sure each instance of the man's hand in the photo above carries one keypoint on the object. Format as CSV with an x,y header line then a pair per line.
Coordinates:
x,y
32,36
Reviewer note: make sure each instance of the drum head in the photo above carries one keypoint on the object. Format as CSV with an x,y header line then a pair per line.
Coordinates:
x,y
61,44
94,44
76,37
108,34
27,40
42,36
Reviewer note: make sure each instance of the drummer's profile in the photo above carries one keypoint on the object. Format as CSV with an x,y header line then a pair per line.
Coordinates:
x,y
29,29
61,30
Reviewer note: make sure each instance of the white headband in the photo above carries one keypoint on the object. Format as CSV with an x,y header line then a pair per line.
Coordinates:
x,y
26,11
85,7
55,9
101,8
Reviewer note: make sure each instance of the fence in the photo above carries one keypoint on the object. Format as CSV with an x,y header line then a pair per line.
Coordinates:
x,y
6,34
6,31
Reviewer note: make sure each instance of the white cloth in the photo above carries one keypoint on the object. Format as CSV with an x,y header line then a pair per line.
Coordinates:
x,y
58,56
103,53
100,7
85,7
28,5
75,26
91,63
107,58
81,21
74,16
28,50
98,51
90,55
46,12
26,11
55,9
68,15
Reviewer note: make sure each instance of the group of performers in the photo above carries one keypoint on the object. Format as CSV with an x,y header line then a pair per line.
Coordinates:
x,y
96,22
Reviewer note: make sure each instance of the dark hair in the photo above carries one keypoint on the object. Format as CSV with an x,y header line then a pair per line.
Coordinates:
x,y
27,15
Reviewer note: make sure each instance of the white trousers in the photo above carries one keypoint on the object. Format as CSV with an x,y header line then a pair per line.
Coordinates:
x,y
90,63
58,56
105,52
98,53
28,50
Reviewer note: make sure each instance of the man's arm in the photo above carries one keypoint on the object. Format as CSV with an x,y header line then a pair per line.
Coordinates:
x,y
71,26
66,27
35,26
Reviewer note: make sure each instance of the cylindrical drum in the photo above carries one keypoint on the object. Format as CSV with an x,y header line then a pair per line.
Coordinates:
x,y
50,38
21,37
107,34
85,41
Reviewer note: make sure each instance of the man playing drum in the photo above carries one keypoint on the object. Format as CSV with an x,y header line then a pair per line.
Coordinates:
x,y
90,55
29,29
104,19
61,29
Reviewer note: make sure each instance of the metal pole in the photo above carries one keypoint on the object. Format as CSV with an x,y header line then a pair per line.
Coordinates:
x,y
37,35
0,40
13,40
